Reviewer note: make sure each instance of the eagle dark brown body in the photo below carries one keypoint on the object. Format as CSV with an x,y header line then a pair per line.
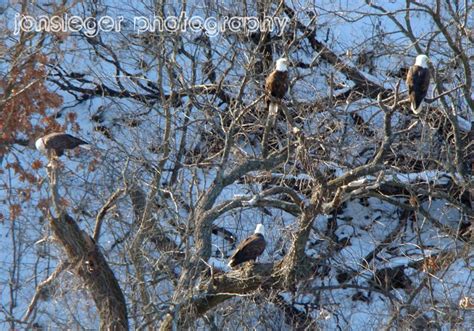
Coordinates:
x,y
54,144
276,84
418,82
250,248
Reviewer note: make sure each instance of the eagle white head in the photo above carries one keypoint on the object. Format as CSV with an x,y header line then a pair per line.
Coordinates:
x,y
282,64
39,143
260,229
422,61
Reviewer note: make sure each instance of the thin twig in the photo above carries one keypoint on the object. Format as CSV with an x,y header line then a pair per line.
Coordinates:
x,y
41,287
103,211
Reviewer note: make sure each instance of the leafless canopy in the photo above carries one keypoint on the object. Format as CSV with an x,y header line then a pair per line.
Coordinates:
x,y
367,207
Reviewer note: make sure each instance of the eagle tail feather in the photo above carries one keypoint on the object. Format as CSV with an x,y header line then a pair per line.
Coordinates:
x,y
273,108
416,110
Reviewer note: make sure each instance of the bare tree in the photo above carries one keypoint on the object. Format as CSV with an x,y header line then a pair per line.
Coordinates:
x,y
368,206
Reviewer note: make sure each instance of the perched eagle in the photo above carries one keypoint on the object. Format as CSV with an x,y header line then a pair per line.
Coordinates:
x,y
54,144
276,84
250,248
418,81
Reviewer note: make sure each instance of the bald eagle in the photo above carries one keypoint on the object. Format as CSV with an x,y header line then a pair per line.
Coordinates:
x,y
54,144
276,84
250,248
418,81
